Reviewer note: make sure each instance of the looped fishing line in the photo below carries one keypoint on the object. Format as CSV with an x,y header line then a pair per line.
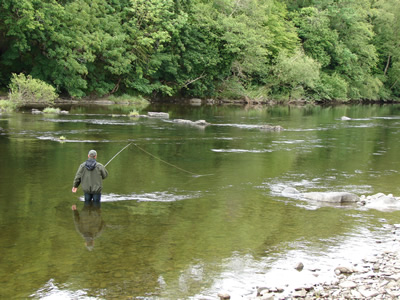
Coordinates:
x,y
148,153
176,167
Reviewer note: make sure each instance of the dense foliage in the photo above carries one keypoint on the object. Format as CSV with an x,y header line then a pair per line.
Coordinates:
x,y
293,49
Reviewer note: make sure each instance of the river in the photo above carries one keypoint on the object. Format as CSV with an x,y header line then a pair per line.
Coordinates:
x,y
188,212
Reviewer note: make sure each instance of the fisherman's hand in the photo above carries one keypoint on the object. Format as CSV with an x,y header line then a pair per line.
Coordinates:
x,y
74,207
74,189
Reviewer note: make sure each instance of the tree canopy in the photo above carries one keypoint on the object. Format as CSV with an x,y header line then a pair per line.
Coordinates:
x,y
270,49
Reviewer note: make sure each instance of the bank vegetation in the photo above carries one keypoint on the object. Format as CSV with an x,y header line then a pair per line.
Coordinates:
x,y
313,50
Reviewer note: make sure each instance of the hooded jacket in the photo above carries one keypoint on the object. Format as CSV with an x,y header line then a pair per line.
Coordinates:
x,y
90,174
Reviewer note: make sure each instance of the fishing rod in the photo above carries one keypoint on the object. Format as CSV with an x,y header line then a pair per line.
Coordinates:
x,y
117,154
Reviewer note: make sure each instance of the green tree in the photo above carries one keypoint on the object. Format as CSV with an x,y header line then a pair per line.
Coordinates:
x,y
248,35
294,74
386,23
204,48
339,35
331,87
355,55
150,26
86,48
318,38
19,21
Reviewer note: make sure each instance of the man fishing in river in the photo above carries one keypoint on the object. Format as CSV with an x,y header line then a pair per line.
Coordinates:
x,y
90,174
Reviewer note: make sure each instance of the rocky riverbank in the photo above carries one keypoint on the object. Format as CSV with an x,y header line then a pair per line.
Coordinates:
x,y
376,277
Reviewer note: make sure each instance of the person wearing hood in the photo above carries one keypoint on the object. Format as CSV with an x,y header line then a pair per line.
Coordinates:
x,y
90,174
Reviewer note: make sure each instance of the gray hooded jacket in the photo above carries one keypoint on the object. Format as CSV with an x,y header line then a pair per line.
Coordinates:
x,y
90,174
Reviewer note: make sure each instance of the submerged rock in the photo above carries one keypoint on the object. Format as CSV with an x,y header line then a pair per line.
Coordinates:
x,y
290,192
381,202
378,201
201,123
332,197
192,123
195,101
161,115
272,128
36,111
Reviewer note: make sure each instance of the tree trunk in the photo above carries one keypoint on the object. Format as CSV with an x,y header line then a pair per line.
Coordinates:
x,y
387,64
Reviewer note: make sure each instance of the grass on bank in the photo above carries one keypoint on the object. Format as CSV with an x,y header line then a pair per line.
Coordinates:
x,y
134,113
138,101
51,110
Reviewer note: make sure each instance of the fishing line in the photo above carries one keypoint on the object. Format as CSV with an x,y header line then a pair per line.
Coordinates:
x,y
148,153
183,170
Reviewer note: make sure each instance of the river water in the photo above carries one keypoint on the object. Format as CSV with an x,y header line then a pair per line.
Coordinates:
x,y
188,212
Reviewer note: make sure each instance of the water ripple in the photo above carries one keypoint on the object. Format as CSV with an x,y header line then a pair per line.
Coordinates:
x,y
92,121
161,196
241,151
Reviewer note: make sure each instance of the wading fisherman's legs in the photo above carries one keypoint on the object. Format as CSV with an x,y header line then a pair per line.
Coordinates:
x,y
92,197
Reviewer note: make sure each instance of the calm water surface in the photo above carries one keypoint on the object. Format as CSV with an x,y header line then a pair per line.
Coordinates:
x,y
164,233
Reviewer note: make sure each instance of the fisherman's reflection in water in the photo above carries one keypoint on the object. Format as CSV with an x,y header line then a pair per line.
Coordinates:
x,y
89,222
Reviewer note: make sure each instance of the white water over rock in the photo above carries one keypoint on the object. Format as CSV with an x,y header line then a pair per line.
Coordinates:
x,y
160,196
378,201
381,202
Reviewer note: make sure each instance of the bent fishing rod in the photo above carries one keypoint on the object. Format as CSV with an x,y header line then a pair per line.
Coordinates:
x,y
148,153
